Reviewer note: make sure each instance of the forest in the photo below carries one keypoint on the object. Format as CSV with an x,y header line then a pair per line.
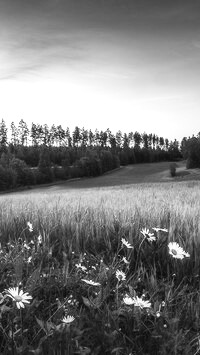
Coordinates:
x,y
42,154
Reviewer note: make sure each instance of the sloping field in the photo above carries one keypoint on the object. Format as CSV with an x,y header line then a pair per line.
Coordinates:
x,y
127,175
81,226
138,196
172,205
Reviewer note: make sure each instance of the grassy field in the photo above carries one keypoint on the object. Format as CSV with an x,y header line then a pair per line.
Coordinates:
x,y
127,175
73,262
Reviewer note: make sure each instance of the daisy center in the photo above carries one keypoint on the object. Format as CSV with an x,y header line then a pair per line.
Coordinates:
x,y
174,252
18,298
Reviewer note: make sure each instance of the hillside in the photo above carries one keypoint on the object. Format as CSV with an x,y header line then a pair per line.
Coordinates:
x,y
126,175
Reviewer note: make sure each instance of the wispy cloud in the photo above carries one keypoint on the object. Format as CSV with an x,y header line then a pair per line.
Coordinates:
x,y
32,51
132,54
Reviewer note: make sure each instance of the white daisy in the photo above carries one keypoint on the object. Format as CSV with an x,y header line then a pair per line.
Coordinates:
x,y
125,260
30,226
79,266
139,302
160,229
176,251
90,282
127,244
68,319
39,239
29,259
128,300
18,296
146,233
151,238
26,246
120,275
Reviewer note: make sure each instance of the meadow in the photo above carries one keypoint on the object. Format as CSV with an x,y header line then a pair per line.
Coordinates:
x,y
95,270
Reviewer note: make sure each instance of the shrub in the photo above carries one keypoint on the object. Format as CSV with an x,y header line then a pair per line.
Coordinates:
x,y
60,173
173,167
8,178
29,178
75,172
39,177
22,171
44,165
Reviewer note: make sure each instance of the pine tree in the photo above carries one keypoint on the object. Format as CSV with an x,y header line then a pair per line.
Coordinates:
x,y
3,135
14,135
23,132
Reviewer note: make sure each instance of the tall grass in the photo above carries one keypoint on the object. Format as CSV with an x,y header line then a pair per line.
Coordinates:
x,y
94,221
91,211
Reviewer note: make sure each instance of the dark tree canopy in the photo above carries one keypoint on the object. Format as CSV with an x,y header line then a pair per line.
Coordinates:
x,y
42,153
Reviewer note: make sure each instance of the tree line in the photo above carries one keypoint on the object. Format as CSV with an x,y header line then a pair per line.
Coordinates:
x,y
41,154
190,148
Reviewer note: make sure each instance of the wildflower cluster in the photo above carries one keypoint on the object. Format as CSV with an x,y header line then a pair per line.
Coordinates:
x,y
151,236
136,301
62,296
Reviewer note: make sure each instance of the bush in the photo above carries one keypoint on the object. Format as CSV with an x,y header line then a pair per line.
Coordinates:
x,y
44,165
60,173
22,171
75,172
106,160
39,177
173,167
90,166
8,178
29,177
11,178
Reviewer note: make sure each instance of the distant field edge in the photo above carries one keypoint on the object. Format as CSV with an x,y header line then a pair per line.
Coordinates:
x,y
54,183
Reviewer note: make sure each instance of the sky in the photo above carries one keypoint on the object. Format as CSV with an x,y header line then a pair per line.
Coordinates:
x,y
129,65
